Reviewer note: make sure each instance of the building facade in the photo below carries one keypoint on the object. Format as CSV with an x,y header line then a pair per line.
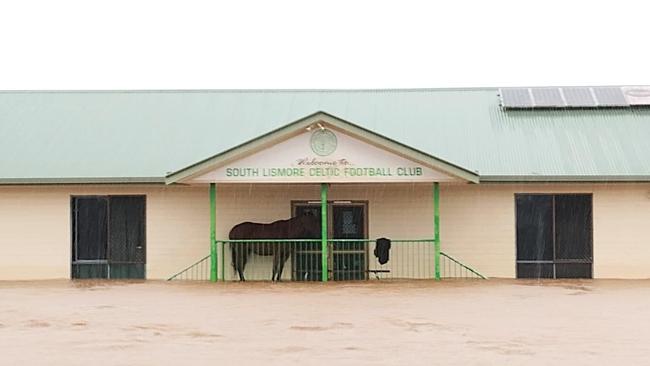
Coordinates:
x,y
150,184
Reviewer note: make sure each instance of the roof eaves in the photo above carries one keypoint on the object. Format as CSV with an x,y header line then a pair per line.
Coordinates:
x,y
564,178
413,153
197,167
267,138
244,91
82,180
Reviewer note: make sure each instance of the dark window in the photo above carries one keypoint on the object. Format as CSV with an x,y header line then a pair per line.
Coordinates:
x,y
535,227
108,237
534,270
573,270
127,229
554,236
573,227
91,229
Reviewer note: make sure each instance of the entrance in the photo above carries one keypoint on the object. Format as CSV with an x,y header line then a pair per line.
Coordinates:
x,y
347,259
108,237
554,235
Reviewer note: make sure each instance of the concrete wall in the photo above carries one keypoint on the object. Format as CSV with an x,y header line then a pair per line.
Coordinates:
x,y
477,222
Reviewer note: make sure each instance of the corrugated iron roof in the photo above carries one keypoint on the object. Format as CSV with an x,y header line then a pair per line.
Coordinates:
x,y
143,135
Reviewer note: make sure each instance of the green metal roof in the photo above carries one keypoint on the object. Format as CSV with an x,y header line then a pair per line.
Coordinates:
x,y
140,136
280,134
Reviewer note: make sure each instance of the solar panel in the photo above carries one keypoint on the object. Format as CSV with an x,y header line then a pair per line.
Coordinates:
x,y
578,97
547,97
610,97
637,95
516,98
574,97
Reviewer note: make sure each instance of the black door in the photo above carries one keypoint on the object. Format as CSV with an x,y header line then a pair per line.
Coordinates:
x,y
108,237
126,237
554,236
347,259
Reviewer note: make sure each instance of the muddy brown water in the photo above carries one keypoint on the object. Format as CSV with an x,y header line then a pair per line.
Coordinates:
x,y
495,322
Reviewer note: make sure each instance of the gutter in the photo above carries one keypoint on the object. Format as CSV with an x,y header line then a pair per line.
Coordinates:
x,y
83,180
564,178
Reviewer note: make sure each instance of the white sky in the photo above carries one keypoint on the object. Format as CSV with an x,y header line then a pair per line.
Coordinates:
x,y
159,44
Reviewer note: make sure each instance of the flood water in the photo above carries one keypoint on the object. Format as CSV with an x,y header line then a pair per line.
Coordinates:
x,y
495,322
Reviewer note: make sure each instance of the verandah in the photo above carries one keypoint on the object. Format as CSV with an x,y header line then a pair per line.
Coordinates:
x,y
420,248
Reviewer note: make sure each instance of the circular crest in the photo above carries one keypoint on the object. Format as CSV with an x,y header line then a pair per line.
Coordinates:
x,y
323,142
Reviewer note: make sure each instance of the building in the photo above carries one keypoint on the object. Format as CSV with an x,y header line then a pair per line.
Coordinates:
x,y
541,182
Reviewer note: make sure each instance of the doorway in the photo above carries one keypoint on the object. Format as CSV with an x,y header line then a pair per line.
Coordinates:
x,y
347,260
108,237
554,235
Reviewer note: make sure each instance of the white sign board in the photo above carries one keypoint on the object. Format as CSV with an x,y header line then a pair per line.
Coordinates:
x,y
322,156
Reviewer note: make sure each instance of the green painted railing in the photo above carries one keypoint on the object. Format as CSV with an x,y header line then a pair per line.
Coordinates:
x,y
199,271
348,259
452,268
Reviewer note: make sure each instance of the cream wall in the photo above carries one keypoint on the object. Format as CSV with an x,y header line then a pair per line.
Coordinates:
x,y
477,222
478,226
35,238
401,211
390,206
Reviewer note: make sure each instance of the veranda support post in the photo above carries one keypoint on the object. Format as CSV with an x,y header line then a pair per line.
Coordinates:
x,y
323,222
213,233
436,229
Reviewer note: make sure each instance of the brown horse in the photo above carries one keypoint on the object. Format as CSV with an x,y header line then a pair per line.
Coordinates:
x,y
301,227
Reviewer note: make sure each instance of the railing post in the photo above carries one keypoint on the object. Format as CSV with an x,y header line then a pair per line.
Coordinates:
x,y
213,233
223,260
436,229
323,222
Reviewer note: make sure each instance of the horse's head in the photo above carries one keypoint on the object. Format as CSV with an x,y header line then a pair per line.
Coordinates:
x,y
309,226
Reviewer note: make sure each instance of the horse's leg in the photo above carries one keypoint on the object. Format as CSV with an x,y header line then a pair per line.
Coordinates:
x,y
276,260
245,252
240,253
283,259
235,257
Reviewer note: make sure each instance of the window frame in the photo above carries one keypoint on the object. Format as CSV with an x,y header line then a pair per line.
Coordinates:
x,y
555,261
